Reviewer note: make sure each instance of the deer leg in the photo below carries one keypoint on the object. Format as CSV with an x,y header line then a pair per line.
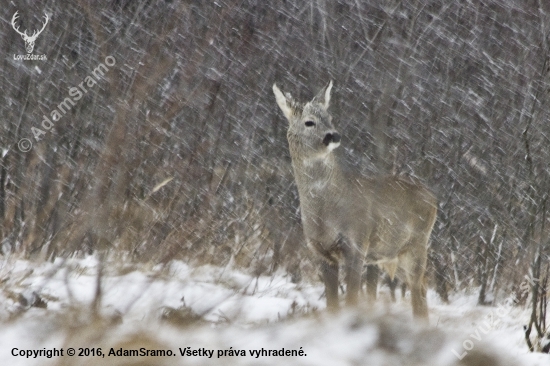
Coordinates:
x,y
354,264
392,284
371,278
329,270
419,303
416,283
403,289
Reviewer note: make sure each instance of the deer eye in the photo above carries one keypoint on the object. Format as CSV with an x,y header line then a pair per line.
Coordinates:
x,y
310,123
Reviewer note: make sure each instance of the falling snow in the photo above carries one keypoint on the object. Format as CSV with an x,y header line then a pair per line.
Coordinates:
x,y
163,197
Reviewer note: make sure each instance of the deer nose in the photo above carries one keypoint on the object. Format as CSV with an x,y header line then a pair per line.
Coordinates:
x,y
331,137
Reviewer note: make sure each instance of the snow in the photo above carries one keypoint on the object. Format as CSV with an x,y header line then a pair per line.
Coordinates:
x,y
240,311
179,151
205,290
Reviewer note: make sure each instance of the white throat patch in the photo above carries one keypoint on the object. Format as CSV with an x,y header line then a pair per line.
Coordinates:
x,y
333,145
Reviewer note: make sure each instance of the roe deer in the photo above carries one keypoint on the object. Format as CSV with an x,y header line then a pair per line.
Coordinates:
x,y
371,276
384,220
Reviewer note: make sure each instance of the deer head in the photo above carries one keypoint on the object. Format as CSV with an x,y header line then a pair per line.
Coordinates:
x,y
311,135
29,40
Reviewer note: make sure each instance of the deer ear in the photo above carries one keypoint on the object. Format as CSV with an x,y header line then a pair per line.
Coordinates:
x,y
323,97
284,102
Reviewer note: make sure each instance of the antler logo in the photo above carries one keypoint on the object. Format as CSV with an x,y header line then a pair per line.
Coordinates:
x,y
29,40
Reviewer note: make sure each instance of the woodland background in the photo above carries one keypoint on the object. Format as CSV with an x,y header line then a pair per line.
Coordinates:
x,y
454,93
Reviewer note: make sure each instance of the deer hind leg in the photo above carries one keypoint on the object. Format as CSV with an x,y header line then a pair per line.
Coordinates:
x,y
418,298
414,264
392,284
390,267
403,289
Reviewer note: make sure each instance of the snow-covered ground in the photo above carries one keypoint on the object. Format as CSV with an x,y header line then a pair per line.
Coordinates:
x,y
46,306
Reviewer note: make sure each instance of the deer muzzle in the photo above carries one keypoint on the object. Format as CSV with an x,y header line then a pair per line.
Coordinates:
x,y
331,137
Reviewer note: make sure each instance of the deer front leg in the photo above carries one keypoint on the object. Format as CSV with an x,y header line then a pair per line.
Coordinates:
x,y
371,278
354,265
329,272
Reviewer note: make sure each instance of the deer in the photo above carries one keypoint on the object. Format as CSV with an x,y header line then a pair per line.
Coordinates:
x,y
29,40
383,220
371,275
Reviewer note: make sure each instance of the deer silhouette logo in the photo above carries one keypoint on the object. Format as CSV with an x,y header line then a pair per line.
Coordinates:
x,y
29,40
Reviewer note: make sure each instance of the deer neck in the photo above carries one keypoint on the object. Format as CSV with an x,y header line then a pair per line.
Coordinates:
x,y
317,176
